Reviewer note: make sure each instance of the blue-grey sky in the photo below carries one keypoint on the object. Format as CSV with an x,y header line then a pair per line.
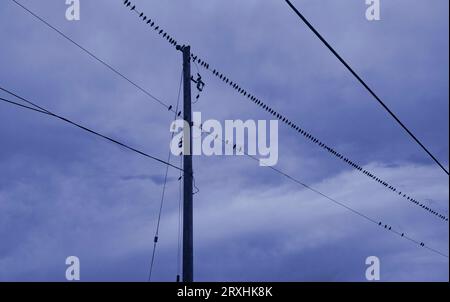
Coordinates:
x,y
63,192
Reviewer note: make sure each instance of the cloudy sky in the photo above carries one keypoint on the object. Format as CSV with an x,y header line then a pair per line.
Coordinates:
x,y
64,192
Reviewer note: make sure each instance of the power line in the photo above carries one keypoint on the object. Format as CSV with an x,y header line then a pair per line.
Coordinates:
x,y
360,214
335,201
156,237
23,106
42,110
366,86
282,118
205,65
39,109
91,54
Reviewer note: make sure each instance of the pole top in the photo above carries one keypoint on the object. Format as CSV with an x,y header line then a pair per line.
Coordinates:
x,y
183,47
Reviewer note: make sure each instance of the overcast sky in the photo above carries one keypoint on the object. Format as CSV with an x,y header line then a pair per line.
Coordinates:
x,y
64,192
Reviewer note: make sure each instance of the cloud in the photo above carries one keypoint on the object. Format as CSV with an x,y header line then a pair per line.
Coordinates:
x,y
258,233
157,179
64,193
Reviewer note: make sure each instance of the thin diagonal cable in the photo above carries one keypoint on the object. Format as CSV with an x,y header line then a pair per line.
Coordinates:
x,y
25,100
46,112
197,190
24,106
351,209
155,240
356,212
341,204
366,86
90,53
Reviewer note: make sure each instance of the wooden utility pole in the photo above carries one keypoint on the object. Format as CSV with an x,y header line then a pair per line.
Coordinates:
x,y
188,254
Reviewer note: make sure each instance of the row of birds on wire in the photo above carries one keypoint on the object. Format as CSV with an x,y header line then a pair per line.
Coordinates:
x,y
234,85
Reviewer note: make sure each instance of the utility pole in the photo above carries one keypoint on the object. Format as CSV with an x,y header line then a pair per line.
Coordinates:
x,y
188,254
